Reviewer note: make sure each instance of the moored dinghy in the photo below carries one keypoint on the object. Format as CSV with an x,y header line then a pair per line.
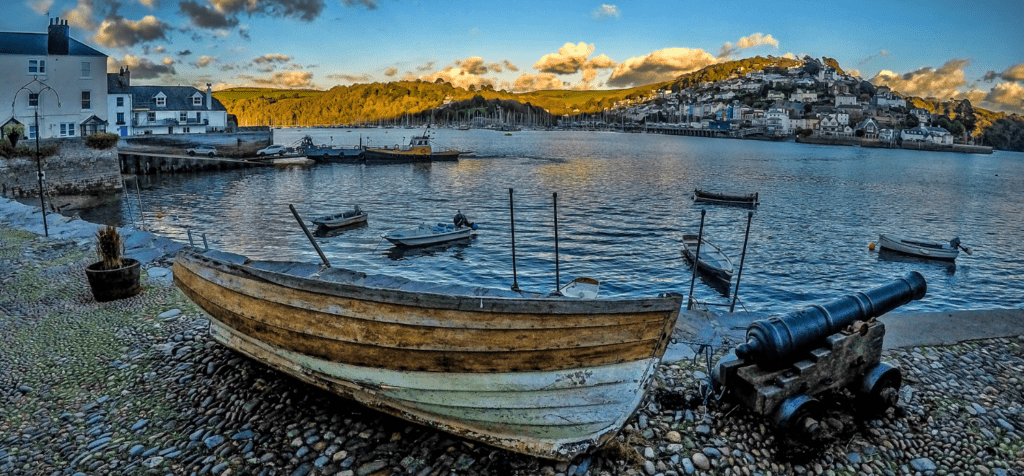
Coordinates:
x,y
426,235
339,220
704,196
942,251
547,376
713,262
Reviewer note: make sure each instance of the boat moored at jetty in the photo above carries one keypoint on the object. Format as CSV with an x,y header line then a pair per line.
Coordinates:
x,y
712,262
339,220
419,149
704,196
544,375
328,153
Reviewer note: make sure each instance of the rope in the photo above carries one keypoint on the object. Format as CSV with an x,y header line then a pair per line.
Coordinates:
x,y
378,244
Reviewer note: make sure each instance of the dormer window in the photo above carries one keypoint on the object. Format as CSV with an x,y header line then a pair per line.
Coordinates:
x,y
161,100
197,100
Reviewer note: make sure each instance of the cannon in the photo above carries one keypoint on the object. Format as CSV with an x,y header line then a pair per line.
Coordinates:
x,y
786,361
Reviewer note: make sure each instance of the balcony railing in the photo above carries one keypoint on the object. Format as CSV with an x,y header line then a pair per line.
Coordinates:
x,y
169,122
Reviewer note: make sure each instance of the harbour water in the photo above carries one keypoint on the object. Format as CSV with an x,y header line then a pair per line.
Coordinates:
x,y
623,206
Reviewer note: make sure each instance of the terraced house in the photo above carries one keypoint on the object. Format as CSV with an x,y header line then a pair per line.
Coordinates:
x,y
53,77
142,110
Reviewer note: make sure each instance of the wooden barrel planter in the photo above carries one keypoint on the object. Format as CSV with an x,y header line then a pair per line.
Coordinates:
x,y
113,284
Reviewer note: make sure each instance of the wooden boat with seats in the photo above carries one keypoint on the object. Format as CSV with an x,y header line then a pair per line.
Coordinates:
x,y
704,196
713,262
549,376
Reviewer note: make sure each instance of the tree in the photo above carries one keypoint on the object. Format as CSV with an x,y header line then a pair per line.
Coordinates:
x,y
911,121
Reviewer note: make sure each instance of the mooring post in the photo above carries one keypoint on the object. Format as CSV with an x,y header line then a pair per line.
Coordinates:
x,y
696,256
512,216
739,275
138,196
190,243
558,280
309,235
205,246
128,201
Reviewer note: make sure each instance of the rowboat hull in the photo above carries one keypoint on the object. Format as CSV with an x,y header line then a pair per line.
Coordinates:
x,y
713,262
545,376
920,249
702,196
399,156
336,221
408,239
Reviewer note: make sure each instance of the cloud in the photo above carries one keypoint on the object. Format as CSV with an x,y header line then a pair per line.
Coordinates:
x,y
757,39
661,65
569,59
282,79
390,72
271,58
41,6
531,82
141,68
591,67
148,3
205,17
1013,73
118,32
853,72
168,60
306,10
869,58
1006,97
941,83
426,67
184,53
606,11
204,61
351,78
243,33
509,66
790,55
81,16
462,77
472,65
370,4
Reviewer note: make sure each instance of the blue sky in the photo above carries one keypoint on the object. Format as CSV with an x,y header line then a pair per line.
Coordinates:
x,y
960,49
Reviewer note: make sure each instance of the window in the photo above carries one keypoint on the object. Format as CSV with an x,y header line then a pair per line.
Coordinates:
x,y
161,101
86,69
197,100
120,118
120,102
67,129
86,100
33,99
186,130
31,132
183,116
71,130
151,116
37,66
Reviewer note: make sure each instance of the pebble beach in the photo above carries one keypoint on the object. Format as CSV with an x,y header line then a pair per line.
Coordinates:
x,y
137,387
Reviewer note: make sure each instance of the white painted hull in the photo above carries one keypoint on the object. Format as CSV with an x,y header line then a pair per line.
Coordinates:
x,y
328,222
409,238
921,249
553,413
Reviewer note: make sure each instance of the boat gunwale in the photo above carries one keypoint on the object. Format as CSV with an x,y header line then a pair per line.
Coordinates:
x,y
541,304
717,270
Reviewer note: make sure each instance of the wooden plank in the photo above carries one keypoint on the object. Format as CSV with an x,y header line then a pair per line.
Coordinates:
x,y
369,355
422,337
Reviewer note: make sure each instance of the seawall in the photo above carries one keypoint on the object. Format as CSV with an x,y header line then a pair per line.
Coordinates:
x,y
235,144
75,170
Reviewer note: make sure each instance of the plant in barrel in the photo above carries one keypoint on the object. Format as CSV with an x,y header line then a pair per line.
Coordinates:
x,y
113,276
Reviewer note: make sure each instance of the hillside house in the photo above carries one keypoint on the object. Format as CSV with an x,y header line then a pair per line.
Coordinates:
x,y
869,126
922,115
846,100
802,96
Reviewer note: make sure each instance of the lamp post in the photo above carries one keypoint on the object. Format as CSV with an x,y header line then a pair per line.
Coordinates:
x,y
39,167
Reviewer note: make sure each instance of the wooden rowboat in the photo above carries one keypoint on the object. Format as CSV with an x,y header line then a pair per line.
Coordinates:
x,y
339,220
713,262
941,251
547,376
749,200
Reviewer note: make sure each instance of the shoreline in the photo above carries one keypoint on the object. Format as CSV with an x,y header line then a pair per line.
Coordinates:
x,y
138,387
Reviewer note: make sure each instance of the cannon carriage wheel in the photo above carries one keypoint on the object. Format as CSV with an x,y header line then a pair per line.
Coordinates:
x,y
799,413
879,388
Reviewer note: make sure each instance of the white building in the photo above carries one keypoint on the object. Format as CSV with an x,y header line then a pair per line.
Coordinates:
x,y
802,96
935,135
846,100
119,103
65,83
777,121
173,110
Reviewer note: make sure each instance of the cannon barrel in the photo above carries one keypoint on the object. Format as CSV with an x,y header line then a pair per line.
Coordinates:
x,y
776,338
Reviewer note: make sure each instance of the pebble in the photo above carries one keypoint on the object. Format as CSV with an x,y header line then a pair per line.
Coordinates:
x,y
168,315
213,441
700,461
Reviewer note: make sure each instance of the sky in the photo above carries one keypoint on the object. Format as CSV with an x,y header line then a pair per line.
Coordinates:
x,y
944,49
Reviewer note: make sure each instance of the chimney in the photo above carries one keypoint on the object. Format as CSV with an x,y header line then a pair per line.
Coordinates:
x,y
57,38
209,97
125,78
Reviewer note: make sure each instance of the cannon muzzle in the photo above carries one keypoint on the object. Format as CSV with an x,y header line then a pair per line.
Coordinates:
x,y
776,338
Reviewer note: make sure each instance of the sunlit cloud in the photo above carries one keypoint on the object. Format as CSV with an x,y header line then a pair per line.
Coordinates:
x,y
168,60
569,59
271,58
606,11
141,68
1013,73
590,68
205,17
924,82
1006,97
425,67
472,65
204,61
661,65
82,16
120,32
350,78
757,39
538,82
390,72
509,66
282,79
306,10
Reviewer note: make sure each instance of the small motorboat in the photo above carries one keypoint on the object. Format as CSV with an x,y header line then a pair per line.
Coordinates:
x,y
749,200
583,288
944,251
713,262
339,220
426,235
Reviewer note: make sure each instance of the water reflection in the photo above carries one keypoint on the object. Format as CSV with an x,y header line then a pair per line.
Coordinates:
x,y
325,232
949,267
455,249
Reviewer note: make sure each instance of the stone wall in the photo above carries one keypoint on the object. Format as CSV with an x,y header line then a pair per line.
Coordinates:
x,y
75,170
236,144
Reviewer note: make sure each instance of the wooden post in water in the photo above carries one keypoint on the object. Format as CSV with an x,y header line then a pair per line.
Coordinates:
x,y
739,275
309,235
558,281
696,256
512,216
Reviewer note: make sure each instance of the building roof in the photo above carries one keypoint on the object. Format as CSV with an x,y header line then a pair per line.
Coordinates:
x,y
35,44
179,98
114,85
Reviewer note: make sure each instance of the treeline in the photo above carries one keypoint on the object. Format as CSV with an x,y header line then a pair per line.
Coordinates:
x,y
1006,133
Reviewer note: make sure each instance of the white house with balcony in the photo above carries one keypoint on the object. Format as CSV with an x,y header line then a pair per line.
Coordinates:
x,y
846,100
922,115
802,96
172,110
777,121
55,76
